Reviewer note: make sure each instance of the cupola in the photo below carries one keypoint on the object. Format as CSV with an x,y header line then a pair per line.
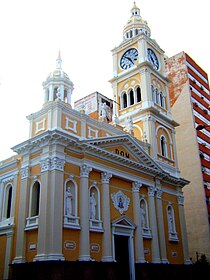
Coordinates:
x,y
58,86
135,25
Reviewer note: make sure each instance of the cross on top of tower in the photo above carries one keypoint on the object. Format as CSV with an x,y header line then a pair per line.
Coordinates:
x,y
59,61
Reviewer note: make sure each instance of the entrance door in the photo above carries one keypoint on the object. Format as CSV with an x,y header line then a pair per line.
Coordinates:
x,y
122,255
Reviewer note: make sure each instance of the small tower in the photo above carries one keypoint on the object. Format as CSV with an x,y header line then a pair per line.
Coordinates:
x,y
58,86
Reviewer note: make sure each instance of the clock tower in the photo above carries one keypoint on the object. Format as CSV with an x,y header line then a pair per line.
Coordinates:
x,y
140,89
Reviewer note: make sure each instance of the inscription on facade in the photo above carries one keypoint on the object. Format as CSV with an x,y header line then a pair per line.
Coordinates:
x,y
122,153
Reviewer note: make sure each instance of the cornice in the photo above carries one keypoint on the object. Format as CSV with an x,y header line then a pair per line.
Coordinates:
x,y
9,163
90,147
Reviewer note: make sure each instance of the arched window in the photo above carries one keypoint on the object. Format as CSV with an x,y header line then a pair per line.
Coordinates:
x,y
131,97
35,197
125,100
7,202
163,146
138,94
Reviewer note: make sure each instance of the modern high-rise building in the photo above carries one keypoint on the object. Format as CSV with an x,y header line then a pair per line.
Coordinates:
x,y
190,101
91,198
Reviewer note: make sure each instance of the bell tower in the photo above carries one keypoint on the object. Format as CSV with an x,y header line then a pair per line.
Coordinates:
x,y
140,89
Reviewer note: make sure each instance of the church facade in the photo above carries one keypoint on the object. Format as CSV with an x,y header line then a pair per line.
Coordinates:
x,y
87,190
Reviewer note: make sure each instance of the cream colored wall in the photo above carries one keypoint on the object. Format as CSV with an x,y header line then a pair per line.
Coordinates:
x,y
189,164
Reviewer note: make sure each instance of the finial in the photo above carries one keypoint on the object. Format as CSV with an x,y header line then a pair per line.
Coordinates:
x,y
59,61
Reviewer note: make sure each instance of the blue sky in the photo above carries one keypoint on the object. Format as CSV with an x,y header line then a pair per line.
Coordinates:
x,y
32,32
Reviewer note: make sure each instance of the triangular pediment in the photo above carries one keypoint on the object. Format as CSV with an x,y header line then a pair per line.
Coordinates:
x,y
126,148
124,222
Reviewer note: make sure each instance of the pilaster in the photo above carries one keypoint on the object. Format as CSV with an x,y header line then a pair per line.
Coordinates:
x,y
183,228
139,245
153,223
160,222
84,246
107,244
22,214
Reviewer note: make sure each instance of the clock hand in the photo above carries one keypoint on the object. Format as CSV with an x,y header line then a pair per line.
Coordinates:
x,y
129,59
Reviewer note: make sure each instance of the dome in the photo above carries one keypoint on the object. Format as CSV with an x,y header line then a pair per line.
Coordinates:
x,y
135,25
57,85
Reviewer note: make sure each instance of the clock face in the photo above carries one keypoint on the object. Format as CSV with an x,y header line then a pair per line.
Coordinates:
x,y
153,58
128,59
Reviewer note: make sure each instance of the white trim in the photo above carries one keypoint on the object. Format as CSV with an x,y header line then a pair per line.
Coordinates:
x,y
94,131
73,122
40,125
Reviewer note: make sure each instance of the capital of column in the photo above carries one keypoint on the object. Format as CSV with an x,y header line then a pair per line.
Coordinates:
x,y
151,191
136,187
159,193
180,198
57,163
85,170
45,164
24,171
105,177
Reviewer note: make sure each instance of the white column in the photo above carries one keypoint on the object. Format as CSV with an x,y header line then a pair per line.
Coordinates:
x,y
62,92
153,224
22,213
8,253
149,129
107,242
84,245
161,231
1,198
69,93
56,206
51,92
183,228
44,209
139,245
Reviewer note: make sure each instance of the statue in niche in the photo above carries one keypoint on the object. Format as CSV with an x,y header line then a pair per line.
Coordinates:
x,y
143,216
92,206
69,198
170,220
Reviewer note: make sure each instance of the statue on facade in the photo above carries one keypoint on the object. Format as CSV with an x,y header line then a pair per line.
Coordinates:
x,y
69,198
92,206
130,124
143,216
170,220
103,111
58,94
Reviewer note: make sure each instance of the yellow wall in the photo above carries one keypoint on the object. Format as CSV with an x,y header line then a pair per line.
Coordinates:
x,y
2,254
31,238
